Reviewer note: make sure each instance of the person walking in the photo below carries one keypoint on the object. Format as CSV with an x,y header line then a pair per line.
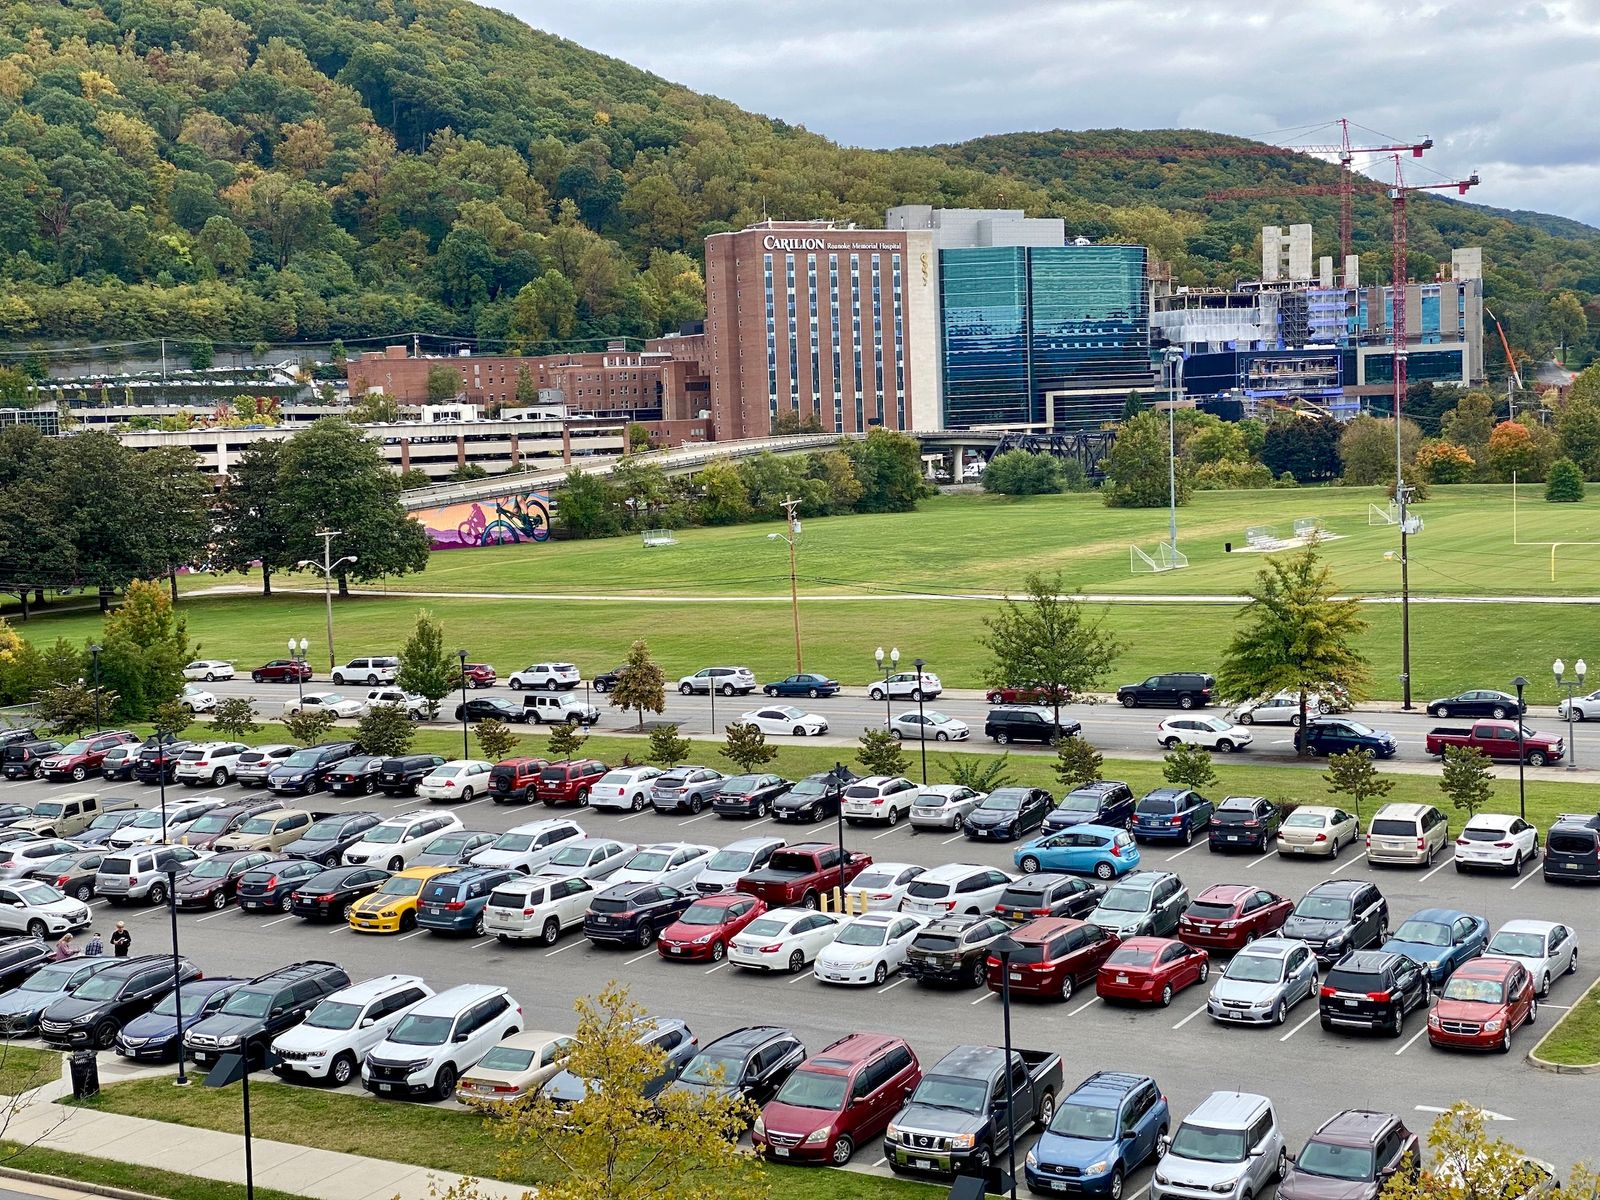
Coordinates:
x,y
65,948
96,947
121,939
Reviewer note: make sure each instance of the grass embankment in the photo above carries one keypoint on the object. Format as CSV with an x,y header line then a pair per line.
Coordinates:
x,y
439,1139
106,1172
1574,1041
23,1068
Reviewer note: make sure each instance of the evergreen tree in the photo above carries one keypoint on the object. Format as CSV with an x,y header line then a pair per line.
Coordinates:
x,y
427,668
1351,773
1565,484
1188,766
1466,778
1077,762
565,740
881,753
667,749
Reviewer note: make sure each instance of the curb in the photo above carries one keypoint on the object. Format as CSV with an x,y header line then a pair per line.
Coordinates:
x,y
73,1185
1544,1064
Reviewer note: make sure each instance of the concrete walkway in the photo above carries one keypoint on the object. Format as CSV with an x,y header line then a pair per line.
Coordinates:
x,y
324,1174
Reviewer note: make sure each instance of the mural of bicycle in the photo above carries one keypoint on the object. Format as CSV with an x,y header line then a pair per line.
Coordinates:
x,y
509,520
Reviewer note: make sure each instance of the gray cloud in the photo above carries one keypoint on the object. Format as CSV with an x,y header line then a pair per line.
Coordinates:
x,y
1506,89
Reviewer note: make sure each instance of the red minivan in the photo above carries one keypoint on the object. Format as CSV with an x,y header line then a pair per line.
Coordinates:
x,y
1056,955
569,782
838,1100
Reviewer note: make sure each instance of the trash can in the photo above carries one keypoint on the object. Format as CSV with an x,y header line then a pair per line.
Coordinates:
x,y
84,1066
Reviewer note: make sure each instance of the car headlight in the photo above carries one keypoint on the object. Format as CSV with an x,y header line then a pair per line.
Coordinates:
x,y
1433,1020
892,1133
1337,940
962,1141
817,1137
1492,1027
759,1128
388,912
1226,1186
1032,1160
701,941
231,1039
1096,1168
1162,1179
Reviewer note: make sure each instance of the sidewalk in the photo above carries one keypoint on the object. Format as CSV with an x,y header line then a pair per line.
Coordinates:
x,y
206,1154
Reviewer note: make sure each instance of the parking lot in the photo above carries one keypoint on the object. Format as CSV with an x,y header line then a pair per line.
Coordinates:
x,y
1308,1072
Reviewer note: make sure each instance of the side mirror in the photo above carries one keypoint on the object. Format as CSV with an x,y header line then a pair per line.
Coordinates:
x,y
368,1022
461,1037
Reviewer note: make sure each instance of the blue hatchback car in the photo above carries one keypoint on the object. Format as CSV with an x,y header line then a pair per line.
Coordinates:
x,y
454,902
1171,814
1441,939
1109,1127
1097,850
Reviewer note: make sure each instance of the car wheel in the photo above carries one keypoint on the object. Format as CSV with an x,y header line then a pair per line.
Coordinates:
x,y
1544,987
255,676
696,804
894,815
551,933
1280,1013
1185,701
37,929
1188,835
1498,713
727,689
158,894
550,685
1398,1025
1170,743
814,694
1442,711
799,731
84,891
1104,870
341,1071
647,934
219,900
882,973
397,864
718,951
875,693
1504,1045
1128,701
1538,758
941,736
1116,1184
797,962
79,774
1066,988
1572,967
1282,1168
408,922
1533,1012
763,809
1030,865
916,694
685,690
1294,721
372,681
478,928
1205,971
979,973
1225,745
104,1036
1166,995
843,1150
444,1083
219,777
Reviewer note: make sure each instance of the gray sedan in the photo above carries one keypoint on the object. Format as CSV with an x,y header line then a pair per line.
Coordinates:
x,y
1263,982
929,726
590,858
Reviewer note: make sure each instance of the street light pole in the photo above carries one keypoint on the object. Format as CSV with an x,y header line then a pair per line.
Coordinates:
x,y
894,661
1522,759
177,972
793,521
297,655
836,782
1003,948
921,725
462,655
1174,396
327,568
1572,687
94,655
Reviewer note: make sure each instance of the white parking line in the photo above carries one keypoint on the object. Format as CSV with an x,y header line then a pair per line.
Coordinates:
x,y
633,816
353,800
879,837
1084,1005
692,820
802,975
1411,1039
1439,868
1185,850
985,996
339,929
1136,1195
406,937
715,969
650,953
1299,1027
1190,1017
208,917
559,949
1560,1007
948,840
880,1162
279,921
486,942
1524,879
1257,861
1346,865
889,987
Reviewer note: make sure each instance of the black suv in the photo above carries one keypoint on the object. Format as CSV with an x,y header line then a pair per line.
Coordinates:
x,y
1243,823
20,957
25,759
953,950
813,799
1104,802
1335,735
1372,989
1572,848
1048,895
1182,689
634,913
327,840
158,760
752,1063
400,776
1004,725
262,1009
306,771
1339,916
95,1013
607,680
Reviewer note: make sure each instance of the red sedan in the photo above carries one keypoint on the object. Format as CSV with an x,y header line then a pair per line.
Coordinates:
x,y
707,926
1025,695
1055,956
479,675
1484,1002
282,670
1151,970
1228,916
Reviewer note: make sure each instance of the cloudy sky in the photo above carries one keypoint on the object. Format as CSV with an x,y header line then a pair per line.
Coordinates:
x,y
1509,88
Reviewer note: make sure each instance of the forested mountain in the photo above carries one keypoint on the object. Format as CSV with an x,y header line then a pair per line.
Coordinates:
x,y
276,169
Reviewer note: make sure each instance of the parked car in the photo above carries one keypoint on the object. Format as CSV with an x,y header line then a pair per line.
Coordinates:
x,y
907,685
282,670
1351,1156
783,939
102,827
748,795
1229,916
729,681
208,669
1170,814
1338,735
813,687
267,831
703,931
82,757
1147,902
118,764
253,766
1183,689
332,894
491,708
1283,708
21,853
1406,833
418,708
1482,1005
1500,840
147,828
855,1086
513,779
1316,829
526,848
393,907
751,1063
157,1036
356,776
569,782
591,858
1498,740
882,887
623,788
212,882
549,677
1243,823
403,774
733,862
1263,982
519,1066
1005,725
67,816
541,909
197,700
606,680
457,780
327,838
677,864
869,948
479,675
258,1011
1230,1147
454,902
956,888
1478,703
785,720
1146,970
439,1039
71,873
329,1045
928,726
547,708
671,1037
1373,989
1042,697
634,913
1103,802
40,910
370,671
1210,733
454,847
1546,948
954,950
812,799
95,1012
885,798
10,814
1572,848
1054,957
395,842
306,771
943,805
26,759
1104,1130
140,873
1048,895
685,788
1337,916
268,888
1440,939
1094,850
801,874
1008,812
22,1006
341,706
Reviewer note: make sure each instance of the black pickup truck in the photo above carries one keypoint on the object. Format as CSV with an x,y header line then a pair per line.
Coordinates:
x,y
956,1122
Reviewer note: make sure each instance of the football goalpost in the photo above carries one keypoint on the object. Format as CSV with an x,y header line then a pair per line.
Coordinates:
x,y
1165,558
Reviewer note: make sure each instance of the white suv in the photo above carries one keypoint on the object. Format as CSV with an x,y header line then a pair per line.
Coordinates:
x,y
727,680
446,1034
956,890
540,908
416,707
213,762
337,1034
370,671
908,685
884,798
1500,840
1230,1147
552,677
526,848
394,844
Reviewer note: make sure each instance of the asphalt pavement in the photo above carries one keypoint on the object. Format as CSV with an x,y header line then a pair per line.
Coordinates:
x,y
1309,1073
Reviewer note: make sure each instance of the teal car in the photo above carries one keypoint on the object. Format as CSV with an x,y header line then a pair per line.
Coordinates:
x,y
1097,850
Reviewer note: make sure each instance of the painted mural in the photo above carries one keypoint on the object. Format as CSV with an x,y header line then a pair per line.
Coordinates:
x,y
505,521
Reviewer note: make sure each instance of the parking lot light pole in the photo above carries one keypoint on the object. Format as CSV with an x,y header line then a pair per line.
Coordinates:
x,y
94,655
177,975
1003,948
836,782
327,568
462,655
1572,687
921,725
1522,759
894,662
297,655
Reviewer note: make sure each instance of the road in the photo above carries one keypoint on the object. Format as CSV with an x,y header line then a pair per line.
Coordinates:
x,y
1309,1073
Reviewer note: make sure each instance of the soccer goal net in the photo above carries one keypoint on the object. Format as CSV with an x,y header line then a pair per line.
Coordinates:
x,y
659,537
1377,515
1165,558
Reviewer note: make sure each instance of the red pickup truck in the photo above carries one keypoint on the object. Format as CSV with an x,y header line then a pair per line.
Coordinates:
x,y
799,875
1498,739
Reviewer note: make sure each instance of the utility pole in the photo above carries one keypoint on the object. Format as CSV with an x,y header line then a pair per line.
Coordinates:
x,y
327,568
790,509
1174,396
163,361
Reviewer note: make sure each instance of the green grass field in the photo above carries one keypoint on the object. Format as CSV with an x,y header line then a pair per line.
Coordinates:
x,y
106,1172
1575,1039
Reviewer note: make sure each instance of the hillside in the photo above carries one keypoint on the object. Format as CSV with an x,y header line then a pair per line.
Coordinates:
x,y
283,169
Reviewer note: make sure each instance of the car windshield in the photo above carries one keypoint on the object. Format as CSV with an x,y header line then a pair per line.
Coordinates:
x,y
211,823
950,1091
248,1003
1081,802
807,788
731,860
863,934
1006,800
1323,908
812,1089
103,986
397,886
766,927
1484,835
735,785
868,880
1254,968
514,841
572,856
705,914
51,977
1203,1144
928,889
258,825
507,1058
711,1067
303,758
1517,945
1480,991
420,1030
211,868
648,860
1336,1162
385,835
81,746
322,831
1157,808
1424,933
49,808
149,819
450,843
110,820
1304,820
334,1014
1126,900
1358,728
192,1003
938,718
1085,1121
37,893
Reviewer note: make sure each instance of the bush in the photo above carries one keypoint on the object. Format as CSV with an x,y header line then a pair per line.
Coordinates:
x,y
1230,474
1441,461
1566,482
1022,473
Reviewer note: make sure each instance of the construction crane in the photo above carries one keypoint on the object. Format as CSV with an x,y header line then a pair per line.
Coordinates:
x,y
1513,376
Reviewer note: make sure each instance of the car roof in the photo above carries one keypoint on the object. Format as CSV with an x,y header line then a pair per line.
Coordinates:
x,y
749,1038
1273,947
970,1061
371,989
1230,893
453,1000
1526,925
419,872
1098,786
1366,960
1040,881
1166,793
1107,1086
533,1039
1142,880
1043,928
1339,887
1354,1127
950,872
1443,916
1228,1109
850,1051
878,918
1240,801
754,843
1490,820
1101,830
1486,968
1402,810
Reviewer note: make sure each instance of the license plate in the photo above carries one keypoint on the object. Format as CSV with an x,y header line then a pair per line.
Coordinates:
x,y
1015,978
781,1151
923,1164
386,1087
1122,979
676,949
602,920
1570,866
1233,837
1234,1016
1350,1003
1298,849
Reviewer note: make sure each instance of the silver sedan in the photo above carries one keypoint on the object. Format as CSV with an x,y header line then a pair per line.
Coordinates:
x,y
929,726
1263,982
1316,830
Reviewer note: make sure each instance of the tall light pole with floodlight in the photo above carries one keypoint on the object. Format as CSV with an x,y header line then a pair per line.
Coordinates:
x,y
1572,687
327,566
462,655
893,665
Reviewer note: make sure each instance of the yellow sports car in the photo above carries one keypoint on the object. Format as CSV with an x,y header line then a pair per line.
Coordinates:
x,y
393,907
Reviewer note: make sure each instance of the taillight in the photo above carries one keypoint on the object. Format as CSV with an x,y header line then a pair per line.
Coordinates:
x,y
1116,850
271,883
883,895
527,912
295,895
1251,824
1175,821
1422,843
771,949
455,906
949,904
1322,837
1502,845
1380,997
877,800
61,880
449,783
1039,912
325,898
1461,841
1328,991
1369,841
132,879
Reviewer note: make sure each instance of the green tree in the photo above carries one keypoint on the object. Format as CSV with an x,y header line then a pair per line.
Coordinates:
x,y
881,753
1578,428
587,507
171,717
888,465
1046,642
373,408
746,747
427,668
235,717
386,729
309,726
71,708
1366,448
1466,778
725,500
1077,762
443,384
1137,471
177,508
146,647
1022,473
201,354
1468,424
1351,774
565,741
495,739
253,524
638,437
641,684
1188,766
527,390
1132,406
1294,635
1468,1164
1566,319
1565,484
978,771
667,749
545,310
